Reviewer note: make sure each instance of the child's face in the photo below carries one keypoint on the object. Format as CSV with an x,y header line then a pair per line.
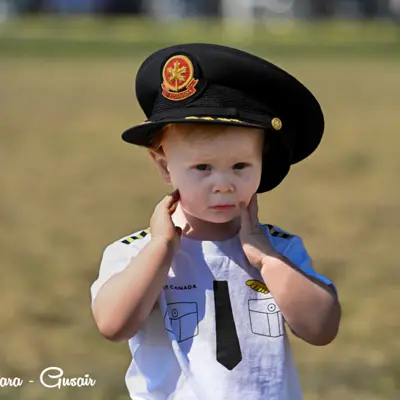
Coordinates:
x,y
211,166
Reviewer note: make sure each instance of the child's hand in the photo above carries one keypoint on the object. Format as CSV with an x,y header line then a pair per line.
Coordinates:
x,y
256,245
161,225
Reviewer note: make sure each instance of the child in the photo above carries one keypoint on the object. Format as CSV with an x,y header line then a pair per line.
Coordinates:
x,y
203,294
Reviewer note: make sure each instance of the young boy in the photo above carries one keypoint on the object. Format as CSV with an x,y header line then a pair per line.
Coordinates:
x,y
204,294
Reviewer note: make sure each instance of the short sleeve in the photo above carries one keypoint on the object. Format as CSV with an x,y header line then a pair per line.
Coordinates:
x,y
116,258
298,255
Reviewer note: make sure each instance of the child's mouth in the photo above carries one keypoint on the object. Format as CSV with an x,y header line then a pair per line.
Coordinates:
x,y
223,207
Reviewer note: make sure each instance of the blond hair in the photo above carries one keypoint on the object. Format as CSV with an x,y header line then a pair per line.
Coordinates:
x,y
170,129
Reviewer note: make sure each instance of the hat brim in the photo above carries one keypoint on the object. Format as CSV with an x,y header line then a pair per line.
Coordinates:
x,y
142,134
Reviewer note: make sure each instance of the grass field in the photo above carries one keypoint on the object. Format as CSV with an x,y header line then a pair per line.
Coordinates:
x,y
69,186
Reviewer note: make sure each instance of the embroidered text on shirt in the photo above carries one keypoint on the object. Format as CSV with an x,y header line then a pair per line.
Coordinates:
x,y
173,287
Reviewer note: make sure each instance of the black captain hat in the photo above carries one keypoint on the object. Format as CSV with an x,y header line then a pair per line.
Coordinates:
x,y
206,83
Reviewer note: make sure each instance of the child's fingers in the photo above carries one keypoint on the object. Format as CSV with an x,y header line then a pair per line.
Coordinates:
x,y
173,208
171,201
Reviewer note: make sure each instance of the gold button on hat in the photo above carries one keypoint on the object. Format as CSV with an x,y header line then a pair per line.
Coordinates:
x,y
276,124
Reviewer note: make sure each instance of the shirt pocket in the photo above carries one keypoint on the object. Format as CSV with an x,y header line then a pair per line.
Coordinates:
x,y
182,319
265,317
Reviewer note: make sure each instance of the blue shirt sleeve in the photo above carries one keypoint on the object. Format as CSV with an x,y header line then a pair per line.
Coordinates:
x,y
298,255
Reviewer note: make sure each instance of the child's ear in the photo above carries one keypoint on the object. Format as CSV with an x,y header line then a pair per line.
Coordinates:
x,y
162,164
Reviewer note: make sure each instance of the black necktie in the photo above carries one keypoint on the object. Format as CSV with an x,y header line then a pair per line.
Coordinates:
x,y
228,348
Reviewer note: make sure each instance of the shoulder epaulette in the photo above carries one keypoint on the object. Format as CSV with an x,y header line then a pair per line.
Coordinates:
x,y
140,235
276,233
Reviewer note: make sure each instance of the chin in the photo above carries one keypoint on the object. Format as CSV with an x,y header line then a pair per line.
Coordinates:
x,y
219,218
214,217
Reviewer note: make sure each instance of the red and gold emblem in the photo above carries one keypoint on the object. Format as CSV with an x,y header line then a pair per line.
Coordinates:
x,y
178,79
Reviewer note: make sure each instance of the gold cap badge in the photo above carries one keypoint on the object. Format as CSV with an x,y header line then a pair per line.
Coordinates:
x,y
178,78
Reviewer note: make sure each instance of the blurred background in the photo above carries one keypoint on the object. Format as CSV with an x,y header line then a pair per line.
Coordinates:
x,y
69,185
170,9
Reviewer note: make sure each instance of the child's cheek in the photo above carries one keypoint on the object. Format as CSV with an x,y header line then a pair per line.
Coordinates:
x,y
189,197
185,198
176,182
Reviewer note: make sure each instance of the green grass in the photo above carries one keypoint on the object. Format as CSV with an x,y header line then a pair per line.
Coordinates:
x,y
65,37
69,186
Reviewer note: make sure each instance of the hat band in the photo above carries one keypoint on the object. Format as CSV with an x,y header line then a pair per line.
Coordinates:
x,y
231,113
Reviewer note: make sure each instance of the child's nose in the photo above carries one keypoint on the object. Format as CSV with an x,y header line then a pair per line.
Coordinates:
x,y
223,186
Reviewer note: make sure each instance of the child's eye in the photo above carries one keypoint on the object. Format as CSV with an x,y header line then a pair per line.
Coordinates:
x,y
203,167
240,165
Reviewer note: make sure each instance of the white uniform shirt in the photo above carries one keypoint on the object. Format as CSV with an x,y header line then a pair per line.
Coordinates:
x,y
174,354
